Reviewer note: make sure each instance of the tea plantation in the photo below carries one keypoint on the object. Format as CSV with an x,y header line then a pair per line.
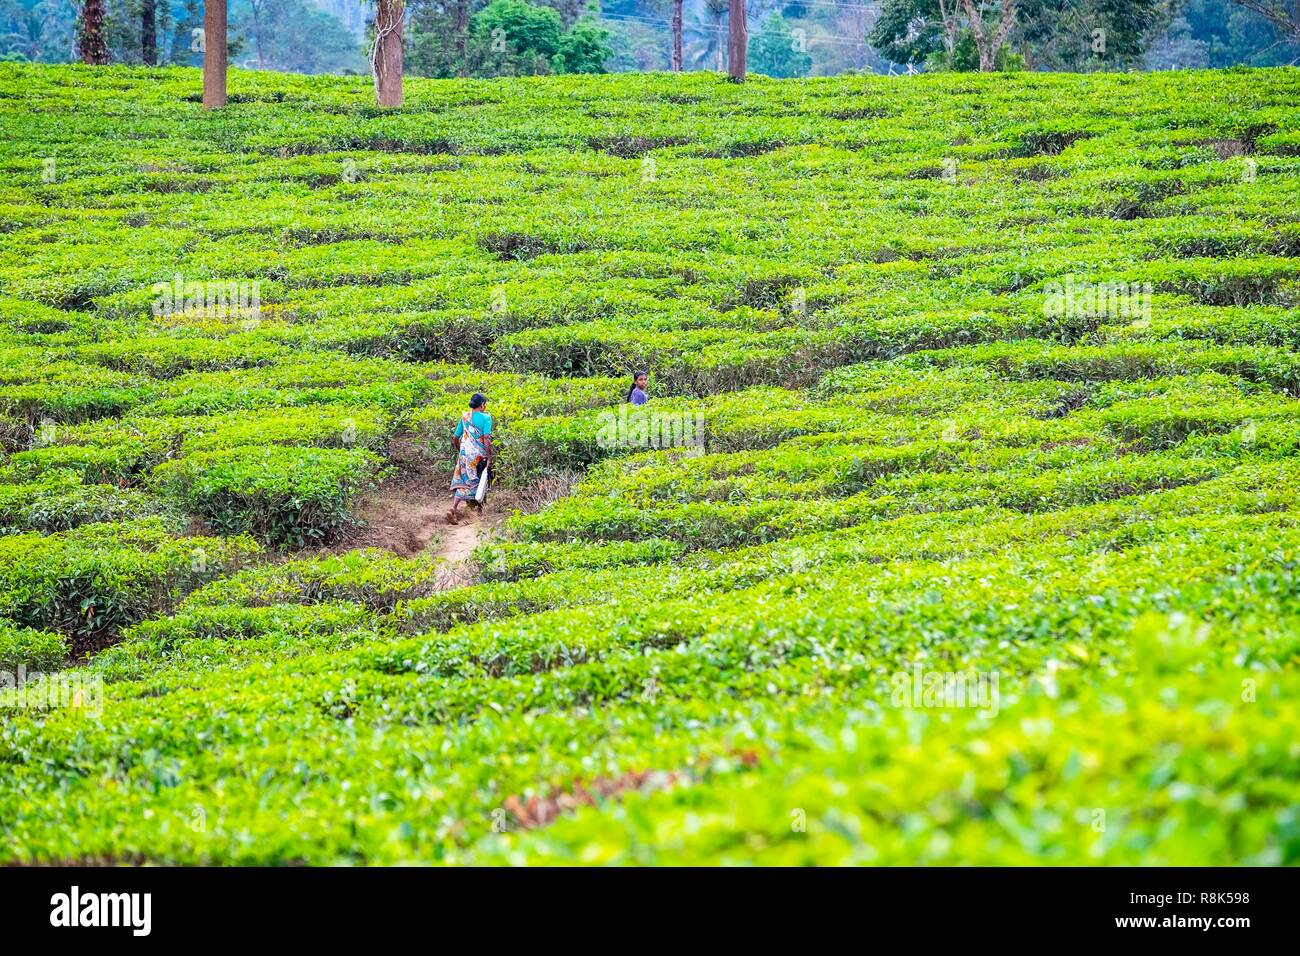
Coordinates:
x,y
985,376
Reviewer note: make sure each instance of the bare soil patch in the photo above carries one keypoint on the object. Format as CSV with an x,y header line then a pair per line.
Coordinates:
x,y
407,513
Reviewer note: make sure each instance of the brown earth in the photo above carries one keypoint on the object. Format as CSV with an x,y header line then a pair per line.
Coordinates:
x,y
407,513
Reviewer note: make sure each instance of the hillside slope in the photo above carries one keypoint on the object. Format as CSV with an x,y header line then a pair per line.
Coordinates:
x,y
975,540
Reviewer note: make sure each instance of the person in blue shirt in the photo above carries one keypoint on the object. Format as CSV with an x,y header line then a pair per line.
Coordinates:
x,y
477,415
636,394
474,455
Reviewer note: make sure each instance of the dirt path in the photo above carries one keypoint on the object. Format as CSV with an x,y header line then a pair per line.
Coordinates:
x,y
407,514
456,543
403,519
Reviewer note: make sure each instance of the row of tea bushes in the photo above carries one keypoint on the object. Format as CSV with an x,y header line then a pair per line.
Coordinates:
x,y
95,580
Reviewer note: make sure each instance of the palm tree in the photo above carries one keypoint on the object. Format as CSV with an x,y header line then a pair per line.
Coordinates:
x,y
28,35
706,35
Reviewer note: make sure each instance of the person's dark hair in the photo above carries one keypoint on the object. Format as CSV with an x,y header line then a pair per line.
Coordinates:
x,y
635,376
477,400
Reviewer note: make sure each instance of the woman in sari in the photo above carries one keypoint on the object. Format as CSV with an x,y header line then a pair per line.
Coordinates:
x,y
474,454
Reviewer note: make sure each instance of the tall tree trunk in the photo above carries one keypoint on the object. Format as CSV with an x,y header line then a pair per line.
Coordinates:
x,y
989,46
1004,29
949,26
462,37
149,32
737,40
90,41
677,36
386,54
214,54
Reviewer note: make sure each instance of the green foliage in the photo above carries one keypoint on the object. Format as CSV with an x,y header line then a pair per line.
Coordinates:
x,y
286,496
775,51
372,578
93,581
908,31
30,649
1219,33
965,57
584,48
505,38
808,800
527,27
296,36
1053,34
59,501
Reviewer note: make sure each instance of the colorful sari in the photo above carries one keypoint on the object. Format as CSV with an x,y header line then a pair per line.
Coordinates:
x,y
472,457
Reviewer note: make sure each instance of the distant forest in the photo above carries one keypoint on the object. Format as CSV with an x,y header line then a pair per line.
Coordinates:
x,y
813,38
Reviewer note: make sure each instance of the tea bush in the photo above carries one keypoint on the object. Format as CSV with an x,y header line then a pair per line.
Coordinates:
x,y
95,580
29,648
284,495
60,501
